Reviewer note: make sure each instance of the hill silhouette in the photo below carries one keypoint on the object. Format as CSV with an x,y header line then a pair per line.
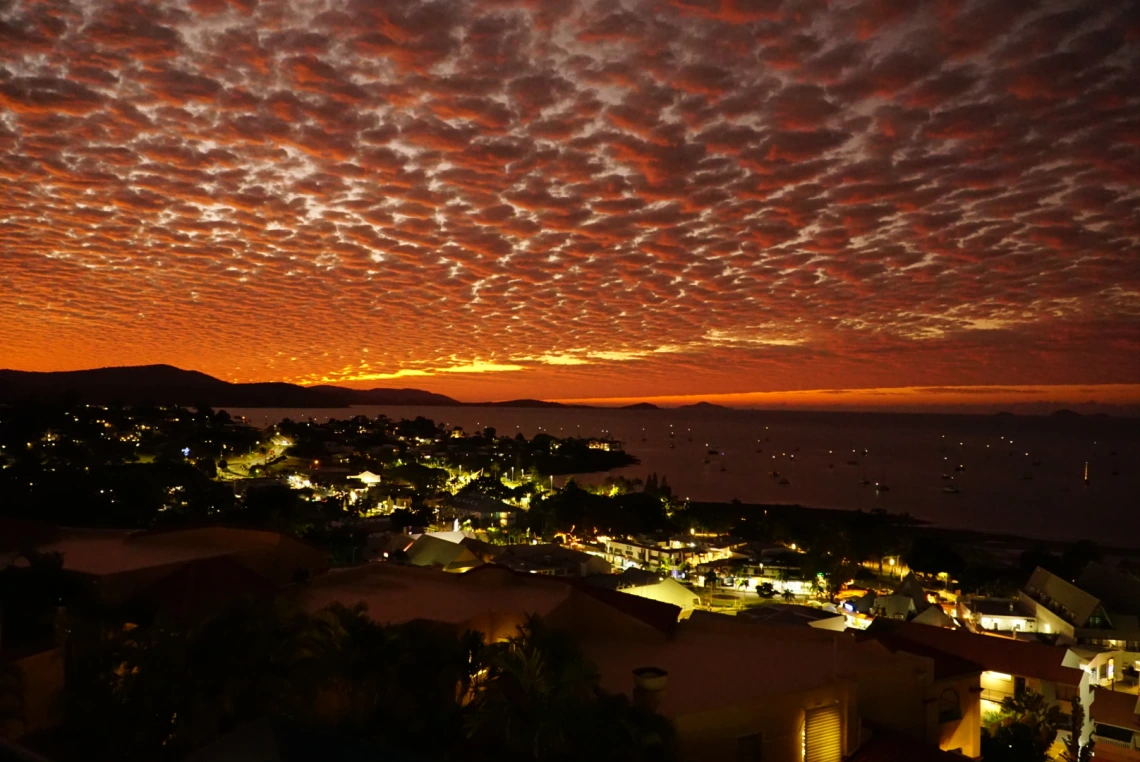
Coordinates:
x,y
703,406
166,384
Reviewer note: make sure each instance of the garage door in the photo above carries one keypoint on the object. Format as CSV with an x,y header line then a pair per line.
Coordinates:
x,y
823,735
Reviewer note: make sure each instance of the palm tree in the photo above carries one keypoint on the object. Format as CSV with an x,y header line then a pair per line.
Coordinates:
x,y
541,700
536,682
1031,709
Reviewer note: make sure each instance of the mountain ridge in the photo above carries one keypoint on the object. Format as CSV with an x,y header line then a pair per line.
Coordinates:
x,y
167,384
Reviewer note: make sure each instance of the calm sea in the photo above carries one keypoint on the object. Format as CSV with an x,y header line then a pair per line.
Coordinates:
x,y
1018,474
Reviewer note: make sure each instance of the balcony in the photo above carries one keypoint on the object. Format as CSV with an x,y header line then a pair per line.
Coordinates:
x,y
989,694
1110,735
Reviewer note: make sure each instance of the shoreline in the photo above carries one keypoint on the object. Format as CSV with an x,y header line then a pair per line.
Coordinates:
x,y
1059,414
955,534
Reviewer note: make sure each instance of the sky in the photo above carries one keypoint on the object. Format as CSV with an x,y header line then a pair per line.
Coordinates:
x,y
578,200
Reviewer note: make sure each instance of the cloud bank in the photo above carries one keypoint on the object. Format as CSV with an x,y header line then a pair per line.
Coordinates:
x,y
504,198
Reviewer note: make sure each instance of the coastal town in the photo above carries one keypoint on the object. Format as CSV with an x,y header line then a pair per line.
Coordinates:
x,y
837,634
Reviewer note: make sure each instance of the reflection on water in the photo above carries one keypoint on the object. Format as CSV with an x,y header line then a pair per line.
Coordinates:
x,y
1017,474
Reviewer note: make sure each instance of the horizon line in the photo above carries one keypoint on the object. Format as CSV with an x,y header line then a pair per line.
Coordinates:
x,y
1125,395
864,398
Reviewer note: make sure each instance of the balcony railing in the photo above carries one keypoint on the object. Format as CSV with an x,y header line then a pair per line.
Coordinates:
x,y
989,694
1109,741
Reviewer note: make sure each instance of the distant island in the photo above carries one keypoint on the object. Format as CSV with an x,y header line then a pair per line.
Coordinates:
x,y
704,406
169,385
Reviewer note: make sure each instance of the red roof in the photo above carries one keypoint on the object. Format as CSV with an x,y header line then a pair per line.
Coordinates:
x,y
993,653
20,534
202,586
946,664
661,616
1115,708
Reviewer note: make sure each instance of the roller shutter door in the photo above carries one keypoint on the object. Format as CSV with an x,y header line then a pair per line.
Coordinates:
x,y
823,735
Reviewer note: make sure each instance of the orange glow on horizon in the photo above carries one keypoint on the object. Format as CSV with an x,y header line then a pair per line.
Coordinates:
x,y
896,398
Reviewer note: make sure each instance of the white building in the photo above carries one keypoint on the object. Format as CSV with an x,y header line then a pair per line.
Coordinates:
x,y
996,615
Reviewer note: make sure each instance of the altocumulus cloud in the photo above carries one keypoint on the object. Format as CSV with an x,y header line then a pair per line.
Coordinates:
x,y
635,196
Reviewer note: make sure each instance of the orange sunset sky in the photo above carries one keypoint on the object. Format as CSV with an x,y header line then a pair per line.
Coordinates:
x,y
866,203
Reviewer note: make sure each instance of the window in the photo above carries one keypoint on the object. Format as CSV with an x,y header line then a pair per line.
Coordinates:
x,y
1111,668
822,739
949,708
750,748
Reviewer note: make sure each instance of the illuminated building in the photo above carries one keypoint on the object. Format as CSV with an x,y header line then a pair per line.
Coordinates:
x,y
733,689
1008,667
1002,615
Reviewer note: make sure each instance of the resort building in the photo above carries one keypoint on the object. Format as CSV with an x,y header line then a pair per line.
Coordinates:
x,y
778,694
119,565
1102,608
367,478
550,559
782,570
1008,667
1116,724
178,574
672,553
1004,615
795,615
652,586
441,553
484,512
1113,669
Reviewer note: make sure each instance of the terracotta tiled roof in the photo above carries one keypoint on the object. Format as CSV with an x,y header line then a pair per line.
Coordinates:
x,y
1115,708
204,585
20,534
660,616
946,664
997,654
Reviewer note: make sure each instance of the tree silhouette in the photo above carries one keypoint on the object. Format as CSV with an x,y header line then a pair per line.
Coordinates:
x,y
1075,751
541,700
1027,729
